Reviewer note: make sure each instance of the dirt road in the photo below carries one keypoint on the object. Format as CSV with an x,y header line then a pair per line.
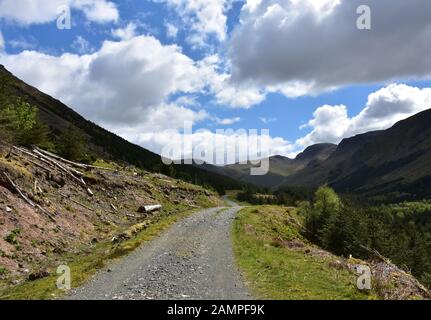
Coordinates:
x,y
191,260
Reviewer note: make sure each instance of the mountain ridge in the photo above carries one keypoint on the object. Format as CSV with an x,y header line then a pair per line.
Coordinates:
x,y
395,160
279,166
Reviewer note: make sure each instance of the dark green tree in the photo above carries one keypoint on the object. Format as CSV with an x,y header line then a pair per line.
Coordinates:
x,y
72,144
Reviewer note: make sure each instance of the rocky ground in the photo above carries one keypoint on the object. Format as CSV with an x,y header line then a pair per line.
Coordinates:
x,y
192,260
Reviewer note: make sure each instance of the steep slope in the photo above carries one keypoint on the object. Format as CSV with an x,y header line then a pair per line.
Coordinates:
x,y
279,167
47,216
60,117
396,160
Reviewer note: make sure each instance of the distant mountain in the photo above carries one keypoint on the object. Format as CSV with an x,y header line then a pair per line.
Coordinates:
x,y
396,161
279,167
60,117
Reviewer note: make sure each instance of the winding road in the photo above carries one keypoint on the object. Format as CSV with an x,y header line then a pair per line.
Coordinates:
x,y
191,260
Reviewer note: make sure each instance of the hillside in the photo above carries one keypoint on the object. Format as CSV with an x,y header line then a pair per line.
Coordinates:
x,y
53,212
394,161
101,142
279,167
280,263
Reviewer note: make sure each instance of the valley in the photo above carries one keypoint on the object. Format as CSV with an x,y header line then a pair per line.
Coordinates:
x,y
130,227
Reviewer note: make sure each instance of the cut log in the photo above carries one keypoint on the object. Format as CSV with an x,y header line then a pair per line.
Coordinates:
x,y
32,155
68,170
19,157
149,208
76,164
77,202
55,162
26,199
19,190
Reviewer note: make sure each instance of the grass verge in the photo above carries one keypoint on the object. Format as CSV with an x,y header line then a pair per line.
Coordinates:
x,y
87,263
273,270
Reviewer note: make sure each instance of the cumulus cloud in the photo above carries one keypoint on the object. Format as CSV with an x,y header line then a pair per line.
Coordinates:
x,y
384,108
126,33
224,90
29,12
203,18
306,47
115,84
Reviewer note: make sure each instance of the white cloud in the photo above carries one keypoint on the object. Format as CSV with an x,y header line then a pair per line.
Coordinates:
x,y
171,30
229,145
100,11
227,121
203,17
115,84
227,93
267,120
126,33
28,12
21,43
302,47
384,108
165,117
224,90
81,45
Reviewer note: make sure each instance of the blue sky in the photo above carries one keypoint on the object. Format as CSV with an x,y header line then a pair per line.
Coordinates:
x,y
302,69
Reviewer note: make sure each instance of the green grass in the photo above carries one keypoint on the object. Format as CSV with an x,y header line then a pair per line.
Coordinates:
x,y
277,272
105,164
232,194
3,270
84,265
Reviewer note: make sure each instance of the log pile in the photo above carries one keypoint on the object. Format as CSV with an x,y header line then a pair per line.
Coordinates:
x,y
52,164
49,163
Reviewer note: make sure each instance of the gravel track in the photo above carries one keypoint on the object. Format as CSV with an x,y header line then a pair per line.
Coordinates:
x,y
191,260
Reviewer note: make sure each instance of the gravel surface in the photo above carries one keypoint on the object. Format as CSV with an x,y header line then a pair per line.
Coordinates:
x,y
191,260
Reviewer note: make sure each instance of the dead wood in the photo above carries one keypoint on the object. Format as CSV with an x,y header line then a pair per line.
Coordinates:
x,y
73,163
77,202
26,199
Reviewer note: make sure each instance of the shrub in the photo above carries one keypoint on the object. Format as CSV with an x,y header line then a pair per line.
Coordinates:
x,y
12,237
21,123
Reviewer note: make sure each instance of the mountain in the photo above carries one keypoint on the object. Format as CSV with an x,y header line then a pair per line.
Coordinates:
x,y
279,167
105,144
394,161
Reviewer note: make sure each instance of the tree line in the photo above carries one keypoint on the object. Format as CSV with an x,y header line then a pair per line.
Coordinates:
x,y
400,232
